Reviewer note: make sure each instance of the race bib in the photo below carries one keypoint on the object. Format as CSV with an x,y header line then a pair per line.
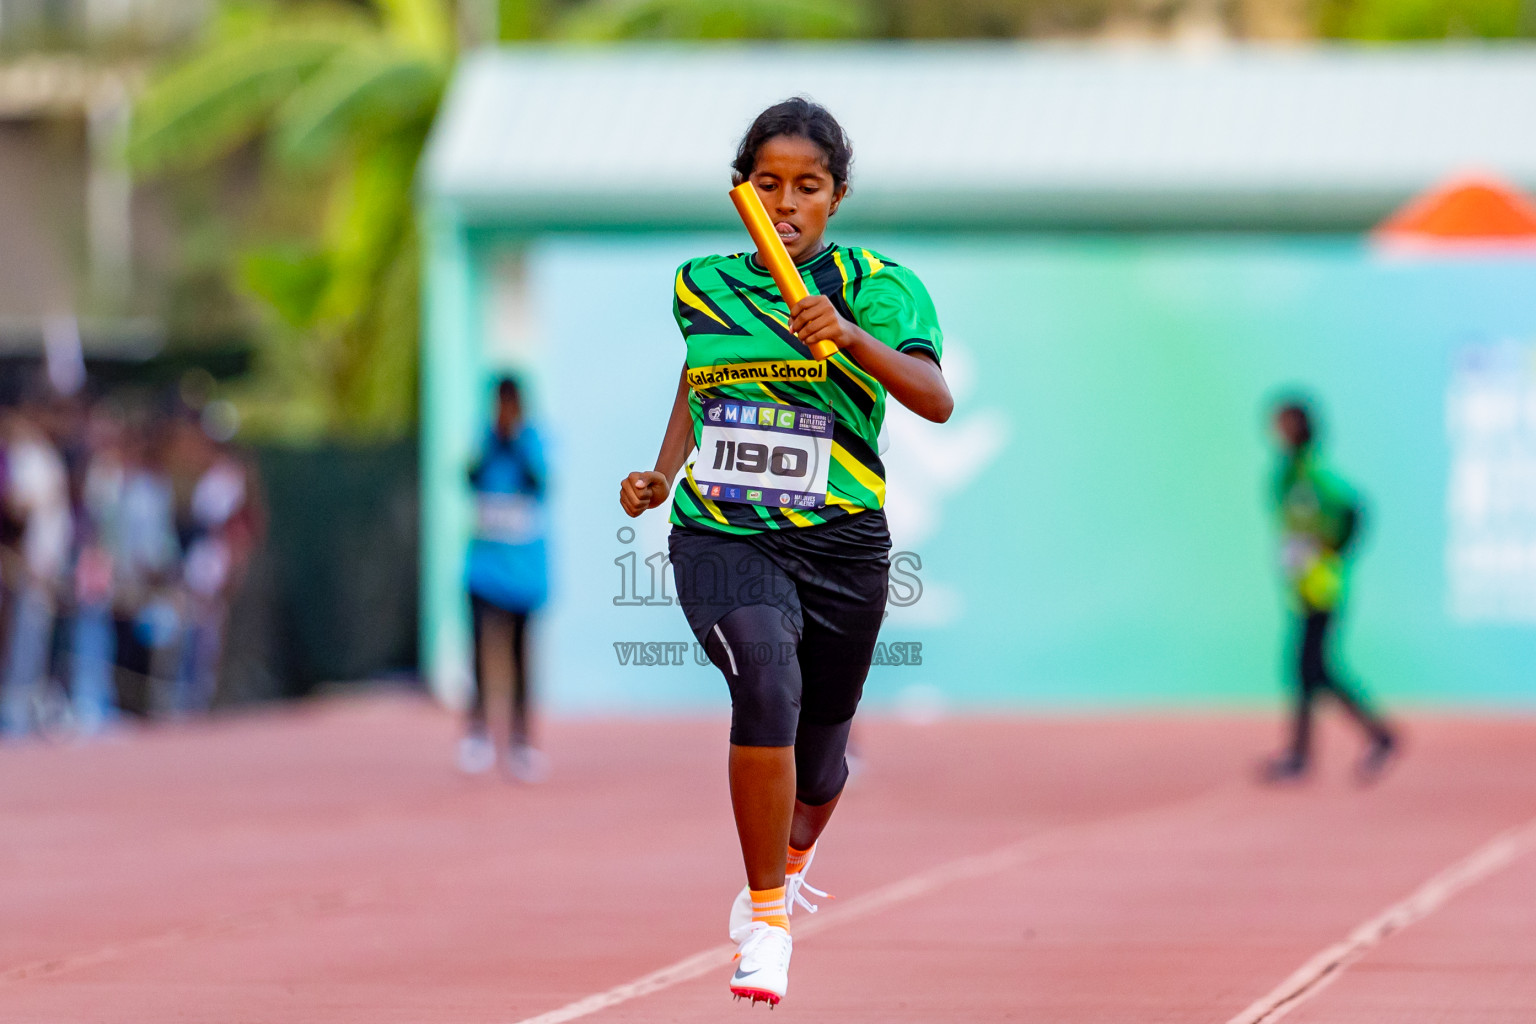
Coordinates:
x,y
508,518
775,455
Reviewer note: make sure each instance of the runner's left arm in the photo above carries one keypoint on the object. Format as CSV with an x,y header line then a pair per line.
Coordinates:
x,y
677,442
640,491
913,379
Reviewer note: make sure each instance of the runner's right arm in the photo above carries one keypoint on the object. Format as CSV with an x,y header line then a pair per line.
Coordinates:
x,y
640,491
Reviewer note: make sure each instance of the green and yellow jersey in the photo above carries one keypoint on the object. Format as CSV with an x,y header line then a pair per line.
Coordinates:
x,y
740,349
1317,513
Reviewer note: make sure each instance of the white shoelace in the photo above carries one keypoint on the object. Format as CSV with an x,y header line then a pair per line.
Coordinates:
x,y
779,951
792,894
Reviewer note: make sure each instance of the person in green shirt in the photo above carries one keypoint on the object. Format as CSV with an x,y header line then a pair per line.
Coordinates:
x,y
1319,518
779,543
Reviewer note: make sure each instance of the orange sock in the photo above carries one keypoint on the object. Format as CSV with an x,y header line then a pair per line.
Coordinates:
x,y
768,905
797,859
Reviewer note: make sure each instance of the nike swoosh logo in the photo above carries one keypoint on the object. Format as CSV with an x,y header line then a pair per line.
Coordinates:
x,y
742,975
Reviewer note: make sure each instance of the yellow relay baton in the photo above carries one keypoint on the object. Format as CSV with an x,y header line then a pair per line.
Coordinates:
x,y
771,248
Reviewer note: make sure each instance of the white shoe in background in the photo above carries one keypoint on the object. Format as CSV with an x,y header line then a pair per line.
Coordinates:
x,y
477,754
527,764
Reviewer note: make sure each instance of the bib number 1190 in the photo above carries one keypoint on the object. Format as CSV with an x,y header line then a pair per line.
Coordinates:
x,y
752,457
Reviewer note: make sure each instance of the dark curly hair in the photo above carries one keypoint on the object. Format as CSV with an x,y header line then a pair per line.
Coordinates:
x,y
797,117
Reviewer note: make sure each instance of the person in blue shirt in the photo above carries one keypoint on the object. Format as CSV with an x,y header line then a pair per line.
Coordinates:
x,y
507,578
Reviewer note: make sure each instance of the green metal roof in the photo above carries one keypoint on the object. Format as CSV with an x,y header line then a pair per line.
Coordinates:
x,y
987,136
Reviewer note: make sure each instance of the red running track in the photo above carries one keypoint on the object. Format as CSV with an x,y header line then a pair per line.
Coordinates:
x,y
327,865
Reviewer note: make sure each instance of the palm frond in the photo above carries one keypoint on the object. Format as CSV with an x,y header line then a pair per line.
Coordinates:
x,y
370,208
379,396
369,243
220,98
291,279
365,92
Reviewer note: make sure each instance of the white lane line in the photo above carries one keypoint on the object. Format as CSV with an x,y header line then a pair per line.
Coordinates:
x,y
901,891
1324,968
684,970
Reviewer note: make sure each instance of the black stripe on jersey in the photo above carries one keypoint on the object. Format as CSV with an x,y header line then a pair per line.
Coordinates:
x,y
829,281
740,514
858,448
792,394
858,271
851,388
754,298
698,323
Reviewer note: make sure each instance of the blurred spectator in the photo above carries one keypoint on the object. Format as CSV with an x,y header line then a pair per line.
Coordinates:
x,y
98,529
221,529
146,561
507,581
1319,517
36,502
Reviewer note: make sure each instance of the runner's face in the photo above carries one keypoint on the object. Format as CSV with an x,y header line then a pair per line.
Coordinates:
x,y
508,412
797,190
1287,428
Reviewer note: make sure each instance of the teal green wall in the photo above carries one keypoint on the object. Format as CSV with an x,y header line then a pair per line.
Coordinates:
x,y
452,366
1109,546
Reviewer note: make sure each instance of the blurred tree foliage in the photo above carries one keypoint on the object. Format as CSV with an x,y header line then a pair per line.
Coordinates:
x,y
332,100
1392,20
337,100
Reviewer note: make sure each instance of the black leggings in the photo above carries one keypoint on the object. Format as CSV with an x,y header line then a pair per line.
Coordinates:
x,y
517,625
765,663
1314,678
790,618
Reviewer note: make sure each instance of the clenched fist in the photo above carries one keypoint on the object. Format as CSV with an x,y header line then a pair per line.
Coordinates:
x,y
640,491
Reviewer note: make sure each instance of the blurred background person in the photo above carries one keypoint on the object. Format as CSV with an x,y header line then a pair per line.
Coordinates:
x,y
146,569
1319,518
222,527
507,577
36,500
98,525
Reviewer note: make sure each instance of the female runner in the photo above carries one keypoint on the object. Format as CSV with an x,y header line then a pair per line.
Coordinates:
x,y
779,543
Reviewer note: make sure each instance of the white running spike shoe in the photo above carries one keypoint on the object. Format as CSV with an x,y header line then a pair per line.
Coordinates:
x,y
762,964
795,888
